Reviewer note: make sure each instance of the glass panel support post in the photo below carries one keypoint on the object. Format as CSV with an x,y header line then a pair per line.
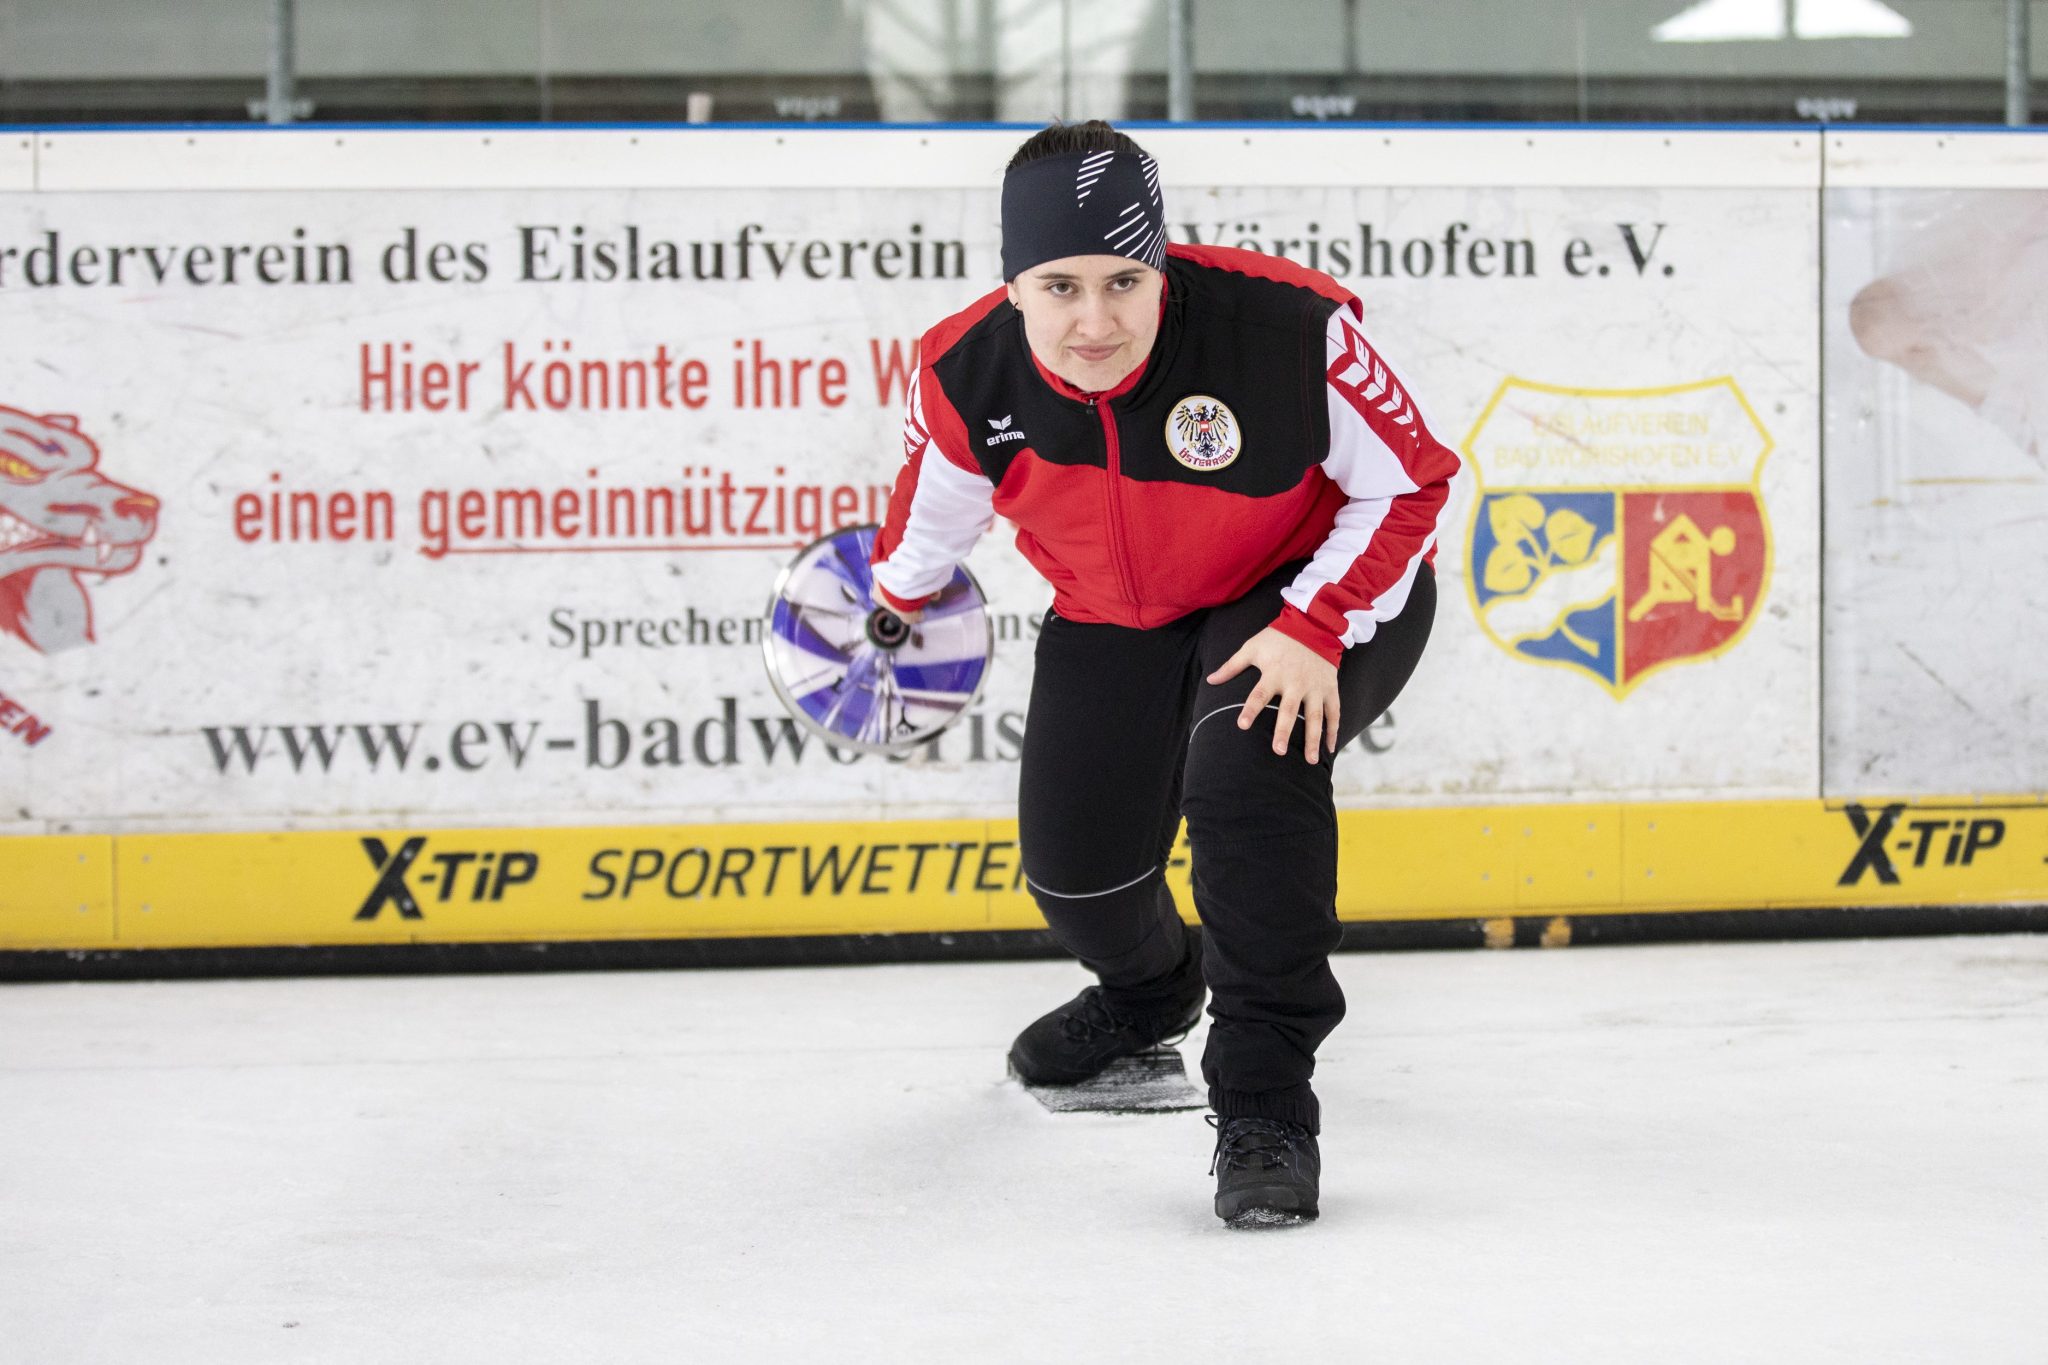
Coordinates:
x,y
1180,60
2018,76
277,103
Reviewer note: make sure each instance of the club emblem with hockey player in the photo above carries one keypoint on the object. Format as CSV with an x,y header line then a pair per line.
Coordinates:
x,y
1618,531
1202,433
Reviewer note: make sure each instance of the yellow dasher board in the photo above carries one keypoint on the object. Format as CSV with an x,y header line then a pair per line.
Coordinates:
x,y
454,886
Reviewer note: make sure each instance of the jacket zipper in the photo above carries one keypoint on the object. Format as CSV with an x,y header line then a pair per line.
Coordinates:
x,y
1118,549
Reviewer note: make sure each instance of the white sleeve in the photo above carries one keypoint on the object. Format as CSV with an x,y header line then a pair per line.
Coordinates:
x,y
1396,476
937,512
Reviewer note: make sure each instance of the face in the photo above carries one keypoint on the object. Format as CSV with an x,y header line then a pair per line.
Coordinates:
x,y
1090,320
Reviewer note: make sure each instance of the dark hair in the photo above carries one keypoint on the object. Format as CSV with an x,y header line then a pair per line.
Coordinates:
x,y
1063,139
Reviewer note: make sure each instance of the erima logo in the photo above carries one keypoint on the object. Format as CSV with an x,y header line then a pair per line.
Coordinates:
x,y
1003,432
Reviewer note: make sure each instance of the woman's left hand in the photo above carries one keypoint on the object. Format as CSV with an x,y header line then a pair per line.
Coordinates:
x,y
1300,679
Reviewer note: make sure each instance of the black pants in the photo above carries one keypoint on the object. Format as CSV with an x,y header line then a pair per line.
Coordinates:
x,y
1123,739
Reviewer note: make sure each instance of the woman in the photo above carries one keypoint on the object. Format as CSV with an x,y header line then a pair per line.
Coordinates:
x,y
1235,501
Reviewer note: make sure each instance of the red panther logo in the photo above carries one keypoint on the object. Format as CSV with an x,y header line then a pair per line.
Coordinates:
x,y
60,520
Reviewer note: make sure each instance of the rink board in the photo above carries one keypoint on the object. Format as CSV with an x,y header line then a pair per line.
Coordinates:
x,y
1694,582
57,892
1492,864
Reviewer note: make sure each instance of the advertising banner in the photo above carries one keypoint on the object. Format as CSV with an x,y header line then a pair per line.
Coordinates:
x,y
351,510
1936,316
1518,874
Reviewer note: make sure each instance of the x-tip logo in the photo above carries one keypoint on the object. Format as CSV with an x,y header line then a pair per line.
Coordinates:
x,y
487,875
1960,840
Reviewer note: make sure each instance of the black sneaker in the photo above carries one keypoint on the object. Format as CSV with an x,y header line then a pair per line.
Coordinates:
x,y
1080,1038
1266,1172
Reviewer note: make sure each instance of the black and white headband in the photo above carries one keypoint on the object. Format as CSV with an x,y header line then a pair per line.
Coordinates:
x,y
1083,204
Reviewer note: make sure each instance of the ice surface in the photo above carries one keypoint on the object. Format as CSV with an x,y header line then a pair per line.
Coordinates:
x,y
1776,1153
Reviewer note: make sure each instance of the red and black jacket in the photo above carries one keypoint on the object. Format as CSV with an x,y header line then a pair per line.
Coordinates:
x,y
1331,460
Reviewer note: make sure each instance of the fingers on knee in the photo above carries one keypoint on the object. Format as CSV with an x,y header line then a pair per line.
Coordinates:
x,y
1221,746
